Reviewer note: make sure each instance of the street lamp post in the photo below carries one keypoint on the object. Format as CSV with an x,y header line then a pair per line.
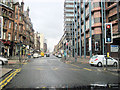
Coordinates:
x,y
84,31
102,25
74,27
90,29
80,28
118,32
72,39
1,33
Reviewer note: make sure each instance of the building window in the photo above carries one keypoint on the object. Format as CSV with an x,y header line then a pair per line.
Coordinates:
x,y
9,36
112,18
15,37
16,16
17,8
19,28
96,4
5,23
97,20
87,11
110,3
4,35
69,5
20,18
92,20
10,24
16,26
10,14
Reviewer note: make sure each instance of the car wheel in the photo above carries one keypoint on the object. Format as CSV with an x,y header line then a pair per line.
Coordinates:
x,y
115,64
2,62
99,64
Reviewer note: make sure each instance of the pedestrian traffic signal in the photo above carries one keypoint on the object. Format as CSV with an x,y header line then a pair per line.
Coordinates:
x,y
108,33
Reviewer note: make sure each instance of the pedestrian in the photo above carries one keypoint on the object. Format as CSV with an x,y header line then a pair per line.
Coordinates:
x,y
75,57
65,55
5,53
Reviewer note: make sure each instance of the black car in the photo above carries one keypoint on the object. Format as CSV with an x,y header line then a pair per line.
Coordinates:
x,y
47,55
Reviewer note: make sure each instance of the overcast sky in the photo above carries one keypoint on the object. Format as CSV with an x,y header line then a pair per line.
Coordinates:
x,y
48,18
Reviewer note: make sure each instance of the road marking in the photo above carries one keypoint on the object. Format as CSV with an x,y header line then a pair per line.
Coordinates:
x,y
40,69
55,69
74,69
9,78
80,67
75,65
87,69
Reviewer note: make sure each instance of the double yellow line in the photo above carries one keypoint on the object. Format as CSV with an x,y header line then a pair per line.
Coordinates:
x,y
9,78
81,67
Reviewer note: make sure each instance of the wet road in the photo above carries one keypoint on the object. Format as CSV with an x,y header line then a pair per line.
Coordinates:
x,y
51,72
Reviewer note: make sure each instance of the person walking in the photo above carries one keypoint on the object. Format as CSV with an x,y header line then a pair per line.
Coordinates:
x,y
75,57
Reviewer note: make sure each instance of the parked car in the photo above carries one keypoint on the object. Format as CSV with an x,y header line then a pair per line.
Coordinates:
x,y
35,55
59,56
39,55
3,60
47,55
100,60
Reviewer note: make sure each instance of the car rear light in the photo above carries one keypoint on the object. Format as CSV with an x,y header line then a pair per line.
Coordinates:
x,y
95,59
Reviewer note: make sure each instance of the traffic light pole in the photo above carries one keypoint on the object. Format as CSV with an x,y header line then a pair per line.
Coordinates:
x,y
118,32
0,47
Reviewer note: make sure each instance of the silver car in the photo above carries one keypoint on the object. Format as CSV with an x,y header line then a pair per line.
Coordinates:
x,y
3,60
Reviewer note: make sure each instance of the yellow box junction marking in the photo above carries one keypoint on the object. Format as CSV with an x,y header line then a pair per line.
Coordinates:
x,y
9,78
87,69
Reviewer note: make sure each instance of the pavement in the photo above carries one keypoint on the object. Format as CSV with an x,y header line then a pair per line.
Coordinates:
x,y
86,61
4,70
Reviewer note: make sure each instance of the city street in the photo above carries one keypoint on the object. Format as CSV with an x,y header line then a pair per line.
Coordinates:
x,y
50,72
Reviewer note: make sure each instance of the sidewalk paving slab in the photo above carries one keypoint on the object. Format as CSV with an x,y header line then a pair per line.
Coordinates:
x,y
4,71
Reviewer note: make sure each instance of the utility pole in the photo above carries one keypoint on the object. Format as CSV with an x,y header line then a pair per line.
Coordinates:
x,y
1,33
118,33
104,23
80,27
84,30
102,26
74,27
90,28
72,39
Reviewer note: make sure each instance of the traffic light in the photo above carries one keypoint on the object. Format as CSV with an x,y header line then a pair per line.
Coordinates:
x,y
108,33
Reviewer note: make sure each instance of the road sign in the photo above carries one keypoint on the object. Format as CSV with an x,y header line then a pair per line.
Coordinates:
x,y
1,27
114,48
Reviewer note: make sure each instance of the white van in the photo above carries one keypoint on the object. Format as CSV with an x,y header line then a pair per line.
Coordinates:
x,y
35,55
100,60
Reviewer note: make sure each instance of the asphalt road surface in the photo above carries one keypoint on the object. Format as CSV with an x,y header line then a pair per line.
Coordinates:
x,y
47,72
